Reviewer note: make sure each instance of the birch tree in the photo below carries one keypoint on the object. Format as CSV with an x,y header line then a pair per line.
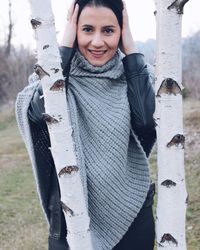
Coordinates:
x,y
58,121
172,195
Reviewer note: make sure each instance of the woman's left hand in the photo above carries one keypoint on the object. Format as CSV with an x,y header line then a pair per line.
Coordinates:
x,y
69,36
127,46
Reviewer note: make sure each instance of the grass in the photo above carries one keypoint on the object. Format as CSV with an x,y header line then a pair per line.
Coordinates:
x,y
192,163
22,224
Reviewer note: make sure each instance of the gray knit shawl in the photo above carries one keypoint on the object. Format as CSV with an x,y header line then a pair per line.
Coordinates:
x,y
113,165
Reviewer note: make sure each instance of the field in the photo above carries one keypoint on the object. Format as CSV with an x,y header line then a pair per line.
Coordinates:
x,y
22,224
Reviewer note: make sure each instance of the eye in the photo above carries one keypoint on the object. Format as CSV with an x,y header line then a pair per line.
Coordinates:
x,y
108,31
87,29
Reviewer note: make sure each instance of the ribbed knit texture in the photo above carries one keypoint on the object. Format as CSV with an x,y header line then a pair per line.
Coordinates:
x,y
115,165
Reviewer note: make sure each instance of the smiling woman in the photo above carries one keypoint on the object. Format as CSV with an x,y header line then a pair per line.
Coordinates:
x,y
98,39
111,105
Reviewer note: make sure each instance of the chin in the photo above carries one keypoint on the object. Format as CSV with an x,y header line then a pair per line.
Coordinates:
x,y
97,63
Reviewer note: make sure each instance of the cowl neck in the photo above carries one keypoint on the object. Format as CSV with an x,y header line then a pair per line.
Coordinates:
x,y
113,69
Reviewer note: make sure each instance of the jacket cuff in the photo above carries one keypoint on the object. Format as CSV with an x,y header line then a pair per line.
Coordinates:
x,y
58,244
65,51
66,54
133,63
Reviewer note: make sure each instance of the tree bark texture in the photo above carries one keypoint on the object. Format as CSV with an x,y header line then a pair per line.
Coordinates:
x,y
172,195
57,116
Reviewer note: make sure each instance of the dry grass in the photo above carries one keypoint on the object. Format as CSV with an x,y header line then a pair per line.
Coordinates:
x,y
22,224
192,163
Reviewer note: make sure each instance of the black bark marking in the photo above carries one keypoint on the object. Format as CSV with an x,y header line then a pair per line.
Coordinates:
x,y
49,119
55,70
67,209
35,23
181,6
187,199
60,118
169,238
168,183
68,170
176,140
58,85
40,71
178,5
45,46
169,86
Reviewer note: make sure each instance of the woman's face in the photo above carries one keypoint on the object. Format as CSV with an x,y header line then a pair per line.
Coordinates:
x,y
98,34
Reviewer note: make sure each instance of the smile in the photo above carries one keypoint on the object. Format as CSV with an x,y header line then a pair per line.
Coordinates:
x,y
97,53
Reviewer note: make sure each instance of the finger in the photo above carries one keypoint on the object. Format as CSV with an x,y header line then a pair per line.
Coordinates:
x,y
75,14
70,11
125,14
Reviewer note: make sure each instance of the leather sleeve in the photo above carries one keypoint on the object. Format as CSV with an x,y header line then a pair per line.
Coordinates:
x,y
141,98
66,54
48,186
36,108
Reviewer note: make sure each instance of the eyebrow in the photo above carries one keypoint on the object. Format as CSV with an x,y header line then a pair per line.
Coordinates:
x,y
106,26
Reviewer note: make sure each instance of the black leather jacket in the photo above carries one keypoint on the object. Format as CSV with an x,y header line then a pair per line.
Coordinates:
x,y
142,104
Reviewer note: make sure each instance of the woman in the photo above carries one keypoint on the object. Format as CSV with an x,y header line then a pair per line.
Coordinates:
x,y
111,104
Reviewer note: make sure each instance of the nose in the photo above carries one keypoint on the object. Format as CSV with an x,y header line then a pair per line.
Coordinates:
x,y
97,40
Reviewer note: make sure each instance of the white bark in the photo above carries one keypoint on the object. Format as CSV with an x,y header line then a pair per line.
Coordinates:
x,y
172,195
60,130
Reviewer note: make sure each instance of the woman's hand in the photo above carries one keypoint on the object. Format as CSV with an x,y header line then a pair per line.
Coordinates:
x,y
69,37
127,46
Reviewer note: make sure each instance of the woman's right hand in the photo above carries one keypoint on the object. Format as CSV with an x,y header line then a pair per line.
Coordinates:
x,y
69,37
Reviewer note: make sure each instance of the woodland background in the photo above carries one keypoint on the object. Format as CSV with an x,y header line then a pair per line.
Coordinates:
x,y
22,224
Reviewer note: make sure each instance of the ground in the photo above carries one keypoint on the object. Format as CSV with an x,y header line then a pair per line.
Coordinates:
x,y
22,224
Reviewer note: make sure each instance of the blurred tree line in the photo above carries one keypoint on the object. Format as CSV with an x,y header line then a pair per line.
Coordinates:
x,y
16,64
190,62
14,71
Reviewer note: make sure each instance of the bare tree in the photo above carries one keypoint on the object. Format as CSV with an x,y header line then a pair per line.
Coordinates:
x,y
10,29
172,195
14,72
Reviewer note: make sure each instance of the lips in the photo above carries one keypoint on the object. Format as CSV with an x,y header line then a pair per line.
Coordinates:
x,y
97,53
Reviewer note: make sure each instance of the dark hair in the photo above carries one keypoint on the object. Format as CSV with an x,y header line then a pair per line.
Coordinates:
x,y
115,5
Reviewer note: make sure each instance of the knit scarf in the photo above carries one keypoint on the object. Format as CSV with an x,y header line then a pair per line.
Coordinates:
x,y
113,165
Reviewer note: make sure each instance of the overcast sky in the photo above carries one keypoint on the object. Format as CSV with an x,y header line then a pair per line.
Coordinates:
x,y
141,16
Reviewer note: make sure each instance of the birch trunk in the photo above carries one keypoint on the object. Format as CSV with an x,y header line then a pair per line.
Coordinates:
x,y
172,195
60,130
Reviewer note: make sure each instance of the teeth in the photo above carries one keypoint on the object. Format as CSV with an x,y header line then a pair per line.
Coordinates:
x,y
97,52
